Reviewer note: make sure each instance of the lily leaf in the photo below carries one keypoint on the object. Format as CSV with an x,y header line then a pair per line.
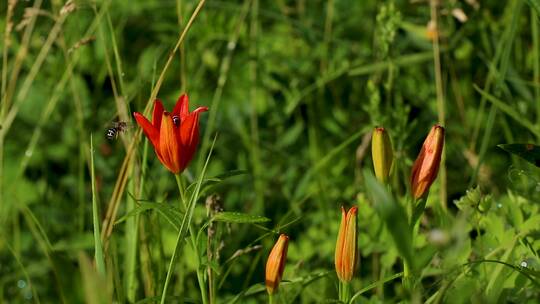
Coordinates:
x,y
237,217
528,152
208,183
170,213
534,4
392,214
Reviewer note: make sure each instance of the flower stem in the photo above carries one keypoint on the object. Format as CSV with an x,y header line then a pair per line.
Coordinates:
x,y
270,298
344,291
417,207
170,269
414,215
181,189
193,237
407,280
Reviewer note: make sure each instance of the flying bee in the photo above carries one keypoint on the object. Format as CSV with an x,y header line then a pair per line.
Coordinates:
x,y
115,130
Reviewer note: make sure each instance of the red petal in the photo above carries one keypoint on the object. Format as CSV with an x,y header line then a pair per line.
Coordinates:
x,y
189,137
182,106
189,130
200,110
169,146
338,257
149,130
158,111
196,112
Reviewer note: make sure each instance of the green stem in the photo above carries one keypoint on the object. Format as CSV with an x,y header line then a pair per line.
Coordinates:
x,y
270,298
407,276
193,237
131,246
171,267
415,210
410,209
181,189
344,291
536,63
186,223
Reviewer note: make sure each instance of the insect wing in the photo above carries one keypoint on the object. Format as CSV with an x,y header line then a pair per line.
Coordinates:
x,y
116,128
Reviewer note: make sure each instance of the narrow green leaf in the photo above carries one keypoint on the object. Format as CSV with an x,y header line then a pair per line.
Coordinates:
x,y
186,221
534,4
375,284
529,274
141,208
98,252
93,281
208,183
393,215
322,162
172,214
237,217
80,241
528,152
509,110
23,270
231,173
259,288
404,60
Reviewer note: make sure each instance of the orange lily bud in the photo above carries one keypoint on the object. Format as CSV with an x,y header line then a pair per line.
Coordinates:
x,y
174,135
276,263
382,154
426,166
346,245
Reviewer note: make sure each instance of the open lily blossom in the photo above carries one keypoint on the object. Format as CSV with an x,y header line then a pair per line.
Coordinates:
x,y
174,135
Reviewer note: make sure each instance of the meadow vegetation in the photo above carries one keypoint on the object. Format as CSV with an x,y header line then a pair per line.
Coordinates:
x,y
189,210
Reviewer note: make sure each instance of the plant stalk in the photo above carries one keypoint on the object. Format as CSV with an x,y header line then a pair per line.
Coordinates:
x,y
193,237
344,292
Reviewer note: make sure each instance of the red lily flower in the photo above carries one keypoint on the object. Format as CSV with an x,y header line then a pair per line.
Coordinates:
x,y
174,135
426,165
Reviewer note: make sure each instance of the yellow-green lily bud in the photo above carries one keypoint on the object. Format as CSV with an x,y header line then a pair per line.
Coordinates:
x,y
382,154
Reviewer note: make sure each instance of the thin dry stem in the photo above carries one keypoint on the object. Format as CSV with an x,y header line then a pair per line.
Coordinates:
x,y
440,96
114,201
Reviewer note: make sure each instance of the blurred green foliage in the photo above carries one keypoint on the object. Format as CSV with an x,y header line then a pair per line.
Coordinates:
x,y
294,89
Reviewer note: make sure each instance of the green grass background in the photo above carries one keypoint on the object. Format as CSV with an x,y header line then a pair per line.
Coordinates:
x,y
294,89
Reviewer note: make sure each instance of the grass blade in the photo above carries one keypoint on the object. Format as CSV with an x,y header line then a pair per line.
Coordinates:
x,y
535,5
237,217
393,215
528,152
98,254
510,111
186,222
170,213
375,284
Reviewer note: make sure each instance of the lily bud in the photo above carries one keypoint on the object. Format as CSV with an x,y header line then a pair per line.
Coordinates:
x,y
276,264
382,154
426,166
346,245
